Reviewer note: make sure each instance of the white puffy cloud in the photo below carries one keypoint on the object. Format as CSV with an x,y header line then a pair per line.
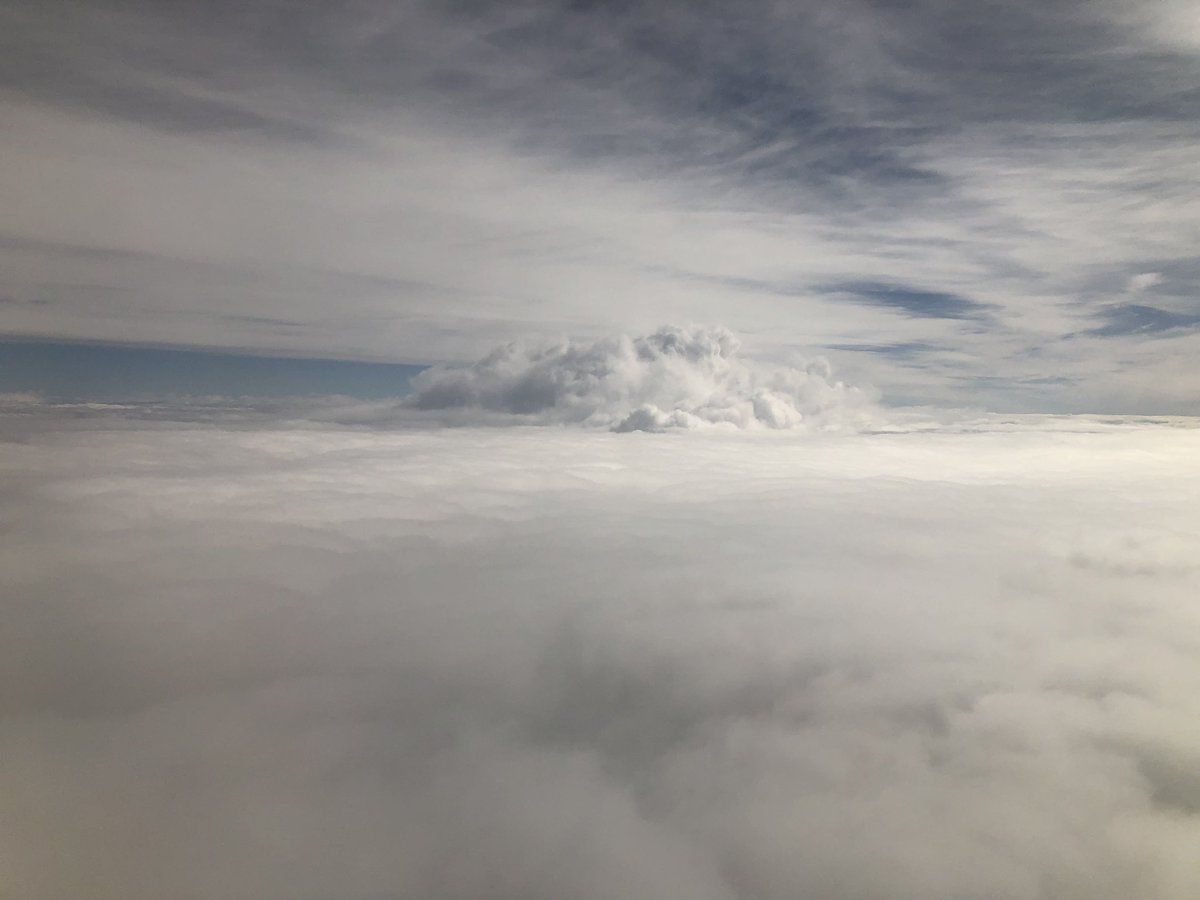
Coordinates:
x,y
1142,281
242,660
677,377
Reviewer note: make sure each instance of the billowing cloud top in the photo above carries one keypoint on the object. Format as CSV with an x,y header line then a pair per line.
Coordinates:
x,y
677,377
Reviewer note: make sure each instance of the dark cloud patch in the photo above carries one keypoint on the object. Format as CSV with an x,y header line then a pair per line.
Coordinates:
x,y
119,63
1174,777
1044,379
1137,318
908,350
1050,63
744,283
911,301
1014,382
21,243
266,320
1184,271
822,96
162,109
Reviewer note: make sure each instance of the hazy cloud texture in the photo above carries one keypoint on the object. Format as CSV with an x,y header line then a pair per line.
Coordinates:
x,y
244,658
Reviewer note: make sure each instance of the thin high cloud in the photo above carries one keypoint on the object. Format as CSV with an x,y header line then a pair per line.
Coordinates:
x,y
246,660
419,182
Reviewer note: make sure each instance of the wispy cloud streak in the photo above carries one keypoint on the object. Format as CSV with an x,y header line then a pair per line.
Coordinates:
x,y
539,168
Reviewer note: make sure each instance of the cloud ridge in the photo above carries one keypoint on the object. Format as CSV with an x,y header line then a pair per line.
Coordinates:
x,y
676,377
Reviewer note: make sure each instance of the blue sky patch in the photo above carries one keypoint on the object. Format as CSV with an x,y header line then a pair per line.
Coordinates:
x,y
86,371
1136,318
912,301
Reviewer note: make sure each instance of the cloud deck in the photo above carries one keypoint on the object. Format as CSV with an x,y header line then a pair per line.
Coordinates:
x,y
247,661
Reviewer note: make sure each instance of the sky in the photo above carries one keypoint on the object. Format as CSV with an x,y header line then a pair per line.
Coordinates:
x,y
107,371
984,205
684,450
250,654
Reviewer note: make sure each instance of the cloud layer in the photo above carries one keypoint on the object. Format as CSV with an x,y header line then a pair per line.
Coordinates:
x,y
677,377
247,661
1005,192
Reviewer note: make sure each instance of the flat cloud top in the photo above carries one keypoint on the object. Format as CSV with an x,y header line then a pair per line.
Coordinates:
x,y
242,660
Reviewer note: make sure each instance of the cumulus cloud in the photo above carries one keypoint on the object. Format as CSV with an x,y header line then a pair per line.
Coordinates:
x,y
244,661
677,377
